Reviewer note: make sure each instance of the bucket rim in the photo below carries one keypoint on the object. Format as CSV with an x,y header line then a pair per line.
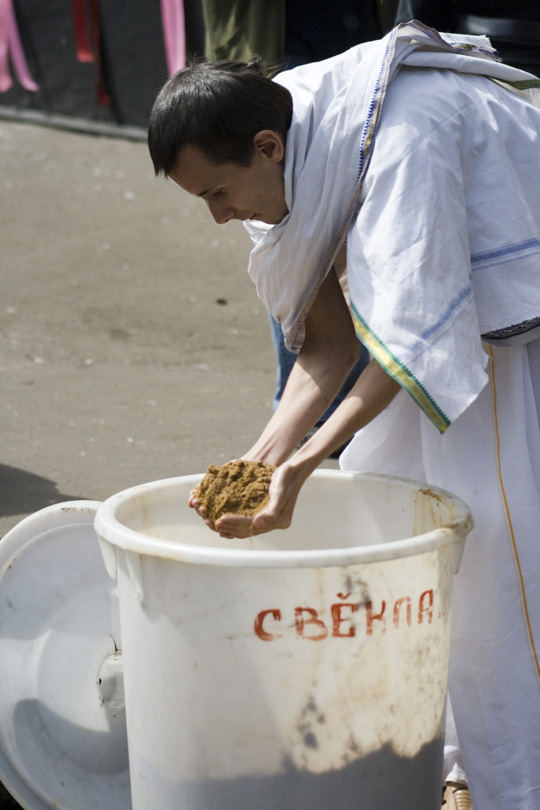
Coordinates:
x,y
111,530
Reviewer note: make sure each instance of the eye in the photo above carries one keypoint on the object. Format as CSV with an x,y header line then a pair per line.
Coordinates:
x,y
219,192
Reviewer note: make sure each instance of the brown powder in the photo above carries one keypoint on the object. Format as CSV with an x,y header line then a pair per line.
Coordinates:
x,y
237,488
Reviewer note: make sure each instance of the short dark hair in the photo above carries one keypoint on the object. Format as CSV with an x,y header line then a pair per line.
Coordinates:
x,y
217,107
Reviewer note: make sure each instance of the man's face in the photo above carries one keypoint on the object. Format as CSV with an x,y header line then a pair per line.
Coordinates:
x,y
237,192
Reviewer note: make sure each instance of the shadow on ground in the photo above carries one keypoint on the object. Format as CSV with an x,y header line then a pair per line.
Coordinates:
x,y
23,492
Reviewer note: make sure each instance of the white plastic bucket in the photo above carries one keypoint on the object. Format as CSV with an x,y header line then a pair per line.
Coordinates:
x,y
297,670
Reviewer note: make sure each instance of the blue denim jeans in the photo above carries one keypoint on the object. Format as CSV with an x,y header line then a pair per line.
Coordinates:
x,y
286,360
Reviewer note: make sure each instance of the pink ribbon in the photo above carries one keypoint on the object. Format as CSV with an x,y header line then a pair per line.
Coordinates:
x,y
10,46
174,34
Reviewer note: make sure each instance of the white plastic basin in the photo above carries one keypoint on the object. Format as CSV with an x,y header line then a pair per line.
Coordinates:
x,y
298,670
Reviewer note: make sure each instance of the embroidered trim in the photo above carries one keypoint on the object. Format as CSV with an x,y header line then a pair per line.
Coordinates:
x,y
399,372
515,329
528,84
366,147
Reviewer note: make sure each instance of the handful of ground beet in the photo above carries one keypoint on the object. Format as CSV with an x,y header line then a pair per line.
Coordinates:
x,y
237,488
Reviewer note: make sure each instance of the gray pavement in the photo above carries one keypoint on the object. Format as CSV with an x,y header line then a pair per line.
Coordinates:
x,y
132,344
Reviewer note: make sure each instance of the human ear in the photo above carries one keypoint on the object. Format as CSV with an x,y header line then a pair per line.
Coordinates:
x,y
270,145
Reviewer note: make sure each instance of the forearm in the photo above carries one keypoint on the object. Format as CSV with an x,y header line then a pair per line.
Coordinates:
x,y
373,392
314,382
329,352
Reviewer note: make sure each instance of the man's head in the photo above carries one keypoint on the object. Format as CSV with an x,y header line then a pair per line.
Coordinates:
x,y
218,108
219,131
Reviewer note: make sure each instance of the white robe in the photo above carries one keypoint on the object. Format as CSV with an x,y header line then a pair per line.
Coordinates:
x,y
490,457
404,103
442,223
490,453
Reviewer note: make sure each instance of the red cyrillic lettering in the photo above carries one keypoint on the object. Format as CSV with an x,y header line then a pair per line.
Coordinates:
x,y
372,617
259,621
397,609
337,619
314,620
422,609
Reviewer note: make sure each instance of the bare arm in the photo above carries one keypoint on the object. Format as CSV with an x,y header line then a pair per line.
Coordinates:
x,y
374,390
320,370
328,354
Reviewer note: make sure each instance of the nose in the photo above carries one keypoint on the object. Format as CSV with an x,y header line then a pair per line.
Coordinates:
x,y
221,213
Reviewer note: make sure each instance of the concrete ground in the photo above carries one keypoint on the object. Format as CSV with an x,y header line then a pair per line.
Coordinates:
x,y
132,343
133,346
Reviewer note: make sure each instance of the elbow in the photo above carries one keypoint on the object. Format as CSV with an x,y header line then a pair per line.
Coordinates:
x,y
355,353
352,355
344,355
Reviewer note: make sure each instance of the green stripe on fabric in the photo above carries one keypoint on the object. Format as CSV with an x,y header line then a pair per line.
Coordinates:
x,y
399,372
528,84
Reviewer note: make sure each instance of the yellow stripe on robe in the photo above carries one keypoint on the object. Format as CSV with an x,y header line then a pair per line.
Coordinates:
x,y
399,372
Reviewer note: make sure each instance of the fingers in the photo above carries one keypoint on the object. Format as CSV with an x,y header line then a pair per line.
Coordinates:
x,y
283,493
243,526
195,503
230,526
193,500
277,514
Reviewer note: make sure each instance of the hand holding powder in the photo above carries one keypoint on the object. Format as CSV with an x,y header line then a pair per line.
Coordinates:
x,y
238,488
